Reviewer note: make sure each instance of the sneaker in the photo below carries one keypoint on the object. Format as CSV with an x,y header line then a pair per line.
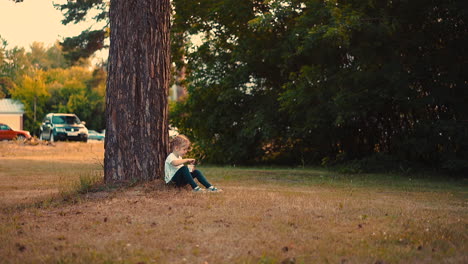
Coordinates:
x,y
198,190
214,189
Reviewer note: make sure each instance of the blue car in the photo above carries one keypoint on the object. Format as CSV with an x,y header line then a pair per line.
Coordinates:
x,y
93,134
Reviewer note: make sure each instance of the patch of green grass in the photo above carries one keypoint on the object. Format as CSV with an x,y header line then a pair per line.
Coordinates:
x,y
324,177
91,182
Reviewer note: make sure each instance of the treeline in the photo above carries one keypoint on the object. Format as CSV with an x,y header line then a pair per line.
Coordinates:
x,y
372,84
44,81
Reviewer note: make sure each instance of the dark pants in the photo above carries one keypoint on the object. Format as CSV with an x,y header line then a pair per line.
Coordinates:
x,y
183,176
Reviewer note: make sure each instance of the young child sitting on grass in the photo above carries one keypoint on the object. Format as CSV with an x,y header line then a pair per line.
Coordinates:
x,y
182,171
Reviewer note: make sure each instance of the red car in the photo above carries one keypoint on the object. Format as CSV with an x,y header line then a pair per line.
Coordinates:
x,y
6,133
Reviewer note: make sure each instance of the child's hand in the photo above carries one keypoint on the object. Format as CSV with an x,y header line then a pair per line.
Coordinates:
x,y
191,167
191,161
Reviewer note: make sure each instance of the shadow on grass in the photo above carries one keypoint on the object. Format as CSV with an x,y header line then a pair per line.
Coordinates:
x,y
93,187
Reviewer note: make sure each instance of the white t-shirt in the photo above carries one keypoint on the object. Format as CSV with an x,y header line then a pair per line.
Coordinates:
x,y
169,169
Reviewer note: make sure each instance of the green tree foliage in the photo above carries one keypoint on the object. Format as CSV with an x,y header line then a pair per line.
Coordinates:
x,y
14,65
230,103
4,80
89,41
32,92
299,81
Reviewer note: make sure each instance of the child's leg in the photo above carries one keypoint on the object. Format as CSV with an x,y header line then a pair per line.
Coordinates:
x,y
183,177
201,178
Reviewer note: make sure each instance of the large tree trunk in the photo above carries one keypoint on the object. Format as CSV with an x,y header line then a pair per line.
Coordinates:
x,y
137,90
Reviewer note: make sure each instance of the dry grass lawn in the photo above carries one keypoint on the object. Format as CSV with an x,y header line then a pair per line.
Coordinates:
x,y
263,215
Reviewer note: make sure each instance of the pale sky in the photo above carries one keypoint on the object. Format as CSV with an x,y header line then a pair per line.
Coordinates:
x,y
35,20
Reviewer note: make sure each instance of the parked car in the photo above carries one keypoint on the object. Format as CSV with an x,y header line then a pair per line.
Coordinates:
x,y
58,126
7,133
93,134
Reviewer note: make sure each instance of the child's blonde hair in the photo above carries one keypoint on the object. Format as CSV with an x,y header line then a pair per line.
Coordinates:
x,y
179,141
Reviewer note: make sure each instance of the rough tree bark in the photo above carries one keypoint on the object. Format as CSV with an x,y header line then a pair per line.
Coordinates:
x,y
137,89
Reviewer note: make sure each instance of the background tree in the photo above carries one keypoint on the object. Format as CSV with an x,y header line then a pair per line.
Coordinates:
x,y
46,58
5,81
16,64
311,81
137,89
90,40
32,93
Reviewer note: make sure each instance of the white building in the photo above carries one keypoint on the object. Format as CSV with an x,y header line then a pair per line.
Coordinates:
x,y
11,113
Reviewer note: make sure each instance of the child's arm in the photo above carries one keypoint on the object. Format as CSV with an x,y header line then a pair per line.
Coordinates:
x,y
182,161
